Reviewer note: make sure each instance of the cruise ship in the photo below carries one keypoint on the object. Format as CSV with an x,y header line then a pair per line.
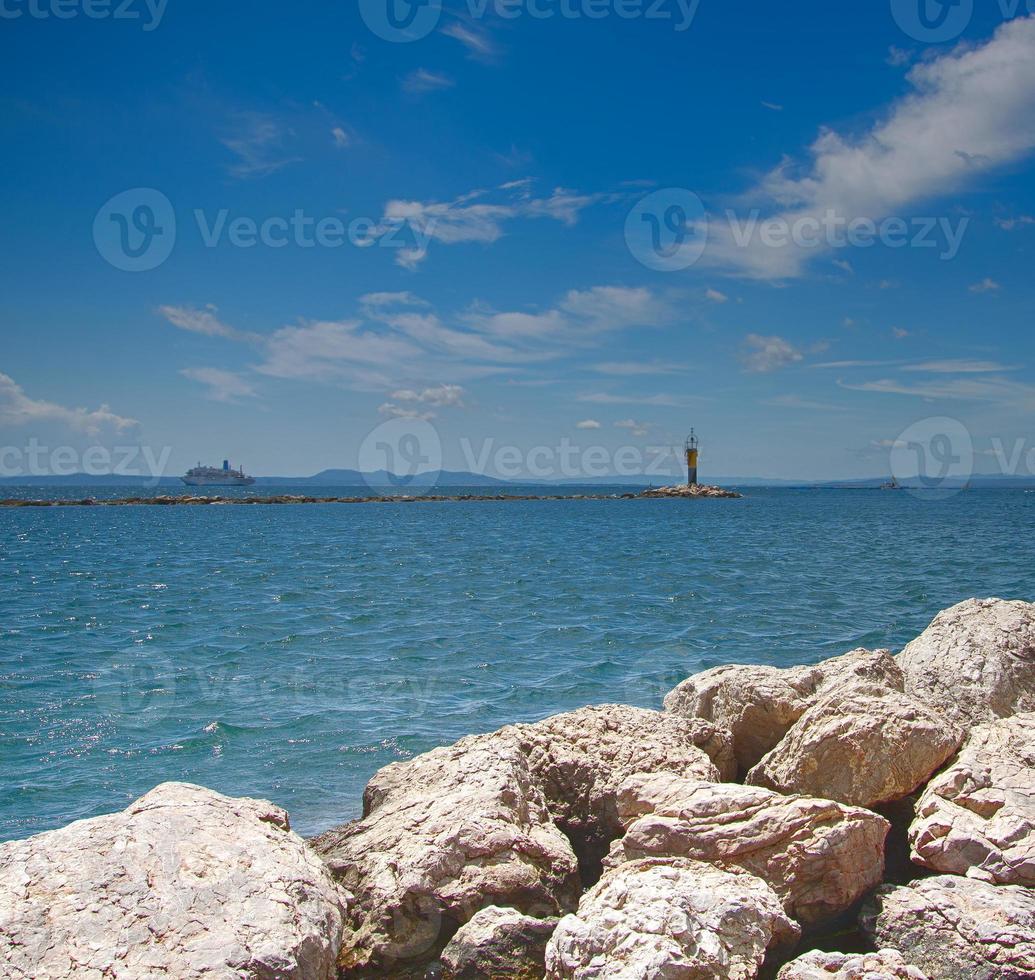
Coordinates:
x,y
212,476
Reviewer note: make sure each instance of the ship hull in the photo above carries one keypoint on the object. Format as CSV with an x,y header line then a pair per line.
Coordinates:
x,y
223,481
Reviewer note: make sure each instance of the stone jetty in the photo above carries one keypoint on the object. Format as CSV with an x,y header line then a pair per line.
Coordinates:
x,y
871,816
199,500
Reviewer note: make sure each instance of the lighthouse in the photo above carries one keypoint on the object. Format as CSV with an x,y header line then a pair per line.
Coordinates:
x,y
691,459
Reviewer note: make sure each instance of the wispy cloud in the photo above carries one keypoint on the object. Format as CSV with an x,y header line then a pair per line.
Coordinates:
x,y
971,111
985,286
257,142
480,215
1009,224
421,80
660,400
17,408
639,368
223,386
588,424
638,429
477,41
760,354
961,366
1001,391
203,321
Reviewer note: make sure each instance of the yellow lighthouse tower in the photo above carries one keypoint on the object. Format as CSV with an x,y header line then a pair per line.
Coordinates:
x,y
691,459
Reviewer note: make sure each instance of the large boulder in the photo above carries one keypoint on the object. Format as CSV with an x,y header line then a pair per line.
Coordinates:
x,y
581,758
820,857
976,661
670,919
758,704
977,817
498,943
446,834
886,964
183,883
955,928
859,747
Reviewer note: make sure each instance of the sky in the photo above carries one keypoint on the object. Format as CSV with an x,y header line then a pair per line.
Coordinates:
x,y
526,237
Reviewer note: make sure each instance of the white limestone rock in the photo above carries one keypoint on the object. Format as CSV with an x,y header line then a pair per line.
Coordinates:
x,y
446,834
977,817
820,857
496,943
674,919
183,883
860,747
955,928
886,964
581,758
759,704
976,661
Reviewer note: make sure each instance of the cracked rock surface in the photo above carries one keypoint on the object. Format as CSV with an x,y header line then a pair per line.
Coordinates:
x,y
498,942
955,928
819,856
184,883
758,704
886,964
859,747
446,833
976,661
674,919
977,817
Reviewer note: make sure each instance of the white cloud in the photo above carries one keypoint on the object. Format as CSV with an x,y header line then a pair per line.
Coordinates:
x,y
1001,391
478,43
606,398
638,429
17,408
635,368
203,321
715,296
340,137
223,386
952,366
474,217
256,139
1009,224
985,286
391,299
899,333
761,354
587,424
440,396
581,313
398,412
421,80
775,107
971,111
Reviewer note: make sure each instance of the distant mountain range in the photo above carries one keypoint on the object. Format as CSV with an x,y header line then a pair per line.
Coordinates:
x,y
459,478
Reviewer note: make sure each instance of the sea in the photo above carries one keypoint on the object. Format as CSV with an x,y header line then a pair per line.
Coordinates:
x,y
289,651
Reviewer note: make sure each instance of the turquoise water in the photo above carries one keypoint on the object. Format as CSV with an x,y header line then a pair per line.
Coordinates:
x,y
289,651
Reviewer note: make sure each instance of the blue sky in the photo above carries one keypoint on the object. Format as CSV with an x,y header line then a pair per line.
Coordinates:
x,y
478,274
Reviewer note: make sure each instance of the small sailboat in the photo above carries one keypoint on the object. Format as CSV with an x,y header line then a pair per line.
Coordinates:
x,y
892,484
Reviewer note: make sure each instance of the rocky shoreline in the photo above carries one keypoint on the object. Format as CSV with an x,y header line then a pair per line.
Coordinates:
x,y
190,500
871,817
